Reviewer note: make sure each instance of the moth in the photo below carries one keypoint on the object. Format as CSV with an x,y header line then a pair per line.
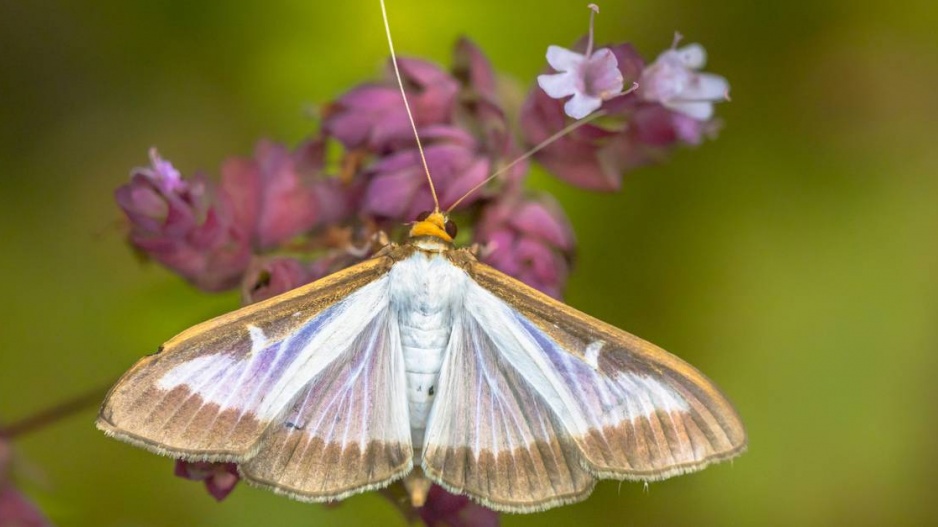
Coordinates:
x,y
423,364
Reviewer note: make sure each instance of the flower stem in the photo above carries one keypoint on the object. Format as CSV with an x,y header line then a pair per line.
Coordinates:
x,y
54,413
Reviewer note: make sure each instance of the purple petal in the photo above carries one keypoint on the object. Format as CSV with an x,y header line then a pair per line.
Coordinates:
x,y
274,196
145,208
423,72
372,97
390,195
442,132
653,125
473,68
354,129
367,115
397,161
629,62
192,470
163,173
220,478
573,158
545,221
436,94
191,229
540,260
334,201
446,162
241,182
443,508
220,484
17,511
502,243
530,240
604,80
690,130
287,213
469,177
269,278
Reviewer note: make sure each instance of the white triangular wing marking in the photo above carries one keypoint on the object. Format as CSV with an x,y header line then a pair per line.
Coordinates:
x,y
325,406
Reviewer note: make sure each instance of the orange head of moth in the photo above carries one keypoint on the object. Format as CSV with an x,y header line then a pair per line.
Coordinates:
x,y
434,224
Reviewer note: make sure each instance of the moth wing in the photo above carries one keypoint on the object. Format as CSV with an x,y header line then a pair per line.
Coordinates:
x,y
491,435
348,430
649,415
310,378
615,405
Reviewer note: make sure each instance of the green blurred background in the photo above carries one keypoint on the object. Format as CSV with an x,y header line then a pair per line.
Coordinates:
x,y
794,260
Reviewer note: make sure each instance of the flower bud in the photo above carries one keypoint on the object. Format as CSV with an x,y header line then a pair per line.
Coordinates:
x,y
279,194
443,508
529,239
397,183
185,224
220,478
372,115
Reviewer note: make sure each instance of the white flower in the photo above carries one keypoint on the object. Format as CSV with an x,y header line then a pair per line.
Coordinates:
x,y
590,79
673,80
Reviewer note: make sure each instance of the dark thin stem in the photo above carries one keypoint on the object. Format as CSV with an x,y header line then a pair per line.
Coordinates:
x,y
54,414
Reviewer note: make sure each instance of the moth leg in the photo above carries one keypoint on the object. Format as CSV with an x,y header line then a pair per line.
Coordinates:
x,y
481,251
379,239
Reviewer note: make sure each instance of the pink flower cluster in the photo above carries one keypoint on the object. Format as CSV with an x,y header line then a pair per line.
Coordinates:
x,y
15,508
281,218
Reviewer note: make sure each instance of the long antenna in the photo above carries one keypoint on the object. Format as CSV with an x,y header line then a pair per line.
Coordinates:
x,y
543,144
400,83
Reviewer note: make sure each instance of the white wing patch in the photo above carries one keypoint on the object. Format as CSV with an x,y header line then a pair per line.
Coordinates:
x,y
658,395
258,339
491,435
326,406
518,417
271,375
197,372
591,354
348,429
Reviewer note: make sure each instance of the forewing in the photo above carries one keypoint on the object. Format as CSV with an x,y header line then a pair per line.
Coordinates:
x,y
348,430
633,410
212,391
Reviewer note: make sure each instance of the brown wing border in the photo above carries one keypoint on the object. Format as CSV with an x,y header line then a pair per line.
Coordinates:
x,y
573,330
229,331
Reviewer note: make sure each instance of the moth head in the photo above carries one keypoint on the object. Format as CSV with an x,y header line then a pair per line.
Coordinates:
x,y
434,223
